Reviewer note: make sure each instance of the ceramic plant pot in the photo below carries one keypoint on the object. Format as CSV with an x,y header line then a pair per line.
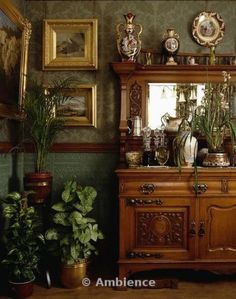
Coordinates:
x,y
40,183
72,275
22,290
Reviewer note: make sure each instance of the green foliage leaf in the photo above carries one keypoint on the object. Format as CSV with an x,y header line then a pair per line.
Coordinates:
x,y
59,207
61,218
52,234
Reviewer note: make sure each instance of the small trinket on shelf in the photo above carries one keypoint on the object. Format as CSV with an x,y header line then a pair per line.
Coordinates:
x,y
128,41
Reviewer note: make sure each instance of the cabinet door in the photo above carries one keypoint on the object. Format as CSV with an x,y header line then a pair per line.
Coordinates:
x,y
217,227
158,228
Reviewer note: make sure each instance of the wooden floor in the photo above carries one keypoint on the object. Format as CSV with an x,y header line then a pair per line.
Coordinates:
x,y
189,287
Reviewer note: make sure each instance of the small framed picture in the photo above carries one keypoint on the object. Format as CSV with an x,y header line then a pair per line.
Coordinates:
x,y
80,108
70,44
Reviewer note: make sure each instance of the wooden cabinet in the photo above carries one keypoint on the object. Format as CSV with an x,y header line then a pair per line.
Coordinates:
x,y
167,220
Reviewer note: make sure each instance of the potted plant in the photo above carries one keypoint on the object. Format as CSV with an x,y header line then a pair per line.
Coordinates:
x,y
74,234
42,125
22,243
213,121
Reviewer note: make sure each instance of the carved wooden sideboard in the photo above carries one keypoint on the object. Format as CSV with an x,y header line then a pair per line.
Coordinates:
x,y
169,221
166,219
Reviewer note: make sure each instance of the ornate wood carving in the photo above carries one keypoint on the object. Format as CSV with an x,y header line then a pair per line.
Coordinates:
x,y
135,254
160,229
135,96
224,185
143,202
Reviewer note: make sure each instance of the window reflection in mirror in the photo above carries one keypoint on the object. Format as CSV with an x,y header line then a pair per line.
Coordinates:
x,y
176,99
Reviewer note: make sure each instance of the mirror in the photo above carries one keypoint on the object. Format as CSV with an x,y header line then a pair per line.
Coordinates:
x,y
176,99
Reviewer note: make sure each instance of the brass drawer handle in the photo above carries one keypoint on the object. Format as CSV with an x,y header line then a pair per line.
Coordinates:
x,y
140,254
143,202
192,230
147,188
200,188
202,231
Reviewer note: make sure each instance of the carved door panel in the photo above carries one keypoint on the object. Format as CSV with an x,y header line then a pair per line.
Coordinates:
x,y
160,228
217,228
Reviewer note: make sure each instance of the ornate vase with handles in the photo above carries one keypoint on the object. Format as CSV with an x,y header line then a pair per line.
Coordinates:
x,y
170,123
128,41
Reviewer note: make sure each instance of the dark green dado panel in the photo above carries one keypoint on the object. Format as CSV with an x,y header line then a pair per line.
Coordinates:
x,y
11,173
96,170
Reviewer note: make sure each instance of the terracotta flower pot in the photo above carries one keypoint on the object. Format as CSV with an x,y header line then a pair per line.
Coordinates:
x,y
41,183
72,275
22,289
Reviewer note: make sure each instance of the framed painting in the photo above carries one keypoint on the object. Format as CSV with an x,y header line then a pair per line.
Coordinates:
x,y
15,33
80,108
70,44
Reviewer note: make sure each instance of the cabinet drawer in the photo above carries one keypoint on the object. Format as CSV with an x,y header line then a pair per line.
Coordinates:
x,y
222,186
155,188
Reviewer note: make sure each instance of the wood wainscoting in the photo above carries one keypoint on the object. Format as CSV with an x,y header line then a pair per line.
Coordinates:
x,y
6,147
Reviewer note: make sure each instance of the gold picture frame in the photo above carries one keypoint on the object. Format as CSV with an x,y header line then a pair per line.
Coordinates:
x,y
80,108
15,32
70,44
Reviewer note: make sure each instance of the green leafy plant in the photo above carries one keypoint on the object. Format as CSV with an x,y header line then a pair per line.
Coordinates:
x,y
212,118
41,122
73,233
21,238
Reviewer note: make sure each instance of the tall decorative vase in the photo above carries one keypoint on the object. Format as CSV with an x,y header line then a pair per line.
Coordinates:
x,y
128,41
185,149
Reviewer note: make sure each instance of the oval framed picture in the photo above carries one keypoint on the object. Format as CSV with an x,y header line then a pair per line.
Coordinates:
x,y
208,29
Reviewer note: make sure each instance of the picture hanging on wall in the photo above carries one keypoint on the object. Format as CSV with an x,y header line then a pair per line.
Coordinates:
x,y
70,44
15,33
80,108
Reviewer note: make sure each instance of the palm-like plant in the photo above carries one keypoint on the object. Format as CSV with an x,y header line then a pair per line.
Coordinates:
x,y
41,122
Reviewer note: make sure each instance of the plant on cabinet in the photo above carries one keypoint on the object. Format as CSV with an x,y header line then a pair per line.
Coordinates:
x,y
73,234
22,242
42,125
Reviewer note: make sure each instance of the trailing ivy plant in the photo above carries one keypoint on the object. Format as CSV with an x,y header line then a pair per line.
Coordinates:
x,y
73,234
22,240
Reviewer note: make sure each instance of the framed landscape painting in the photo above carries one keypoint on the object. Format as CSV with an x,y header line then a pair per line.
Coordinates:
x,y
80,108
14,39
70,44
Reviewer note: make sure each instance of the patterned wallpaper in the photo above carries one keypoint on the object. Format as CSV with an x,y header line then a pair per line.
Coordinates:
x,y
155,16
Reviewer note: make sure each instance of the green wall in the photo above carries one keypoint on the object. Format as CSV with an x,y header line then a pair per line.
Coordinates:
x,y
98,169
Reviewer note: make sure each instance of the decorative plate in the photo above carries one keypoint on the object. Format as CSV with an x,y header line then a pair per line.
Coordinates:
x,y
208,29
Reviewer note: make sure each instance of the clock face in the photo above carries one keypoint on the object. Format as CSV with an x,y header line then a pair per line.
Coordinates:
x,y
171,44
